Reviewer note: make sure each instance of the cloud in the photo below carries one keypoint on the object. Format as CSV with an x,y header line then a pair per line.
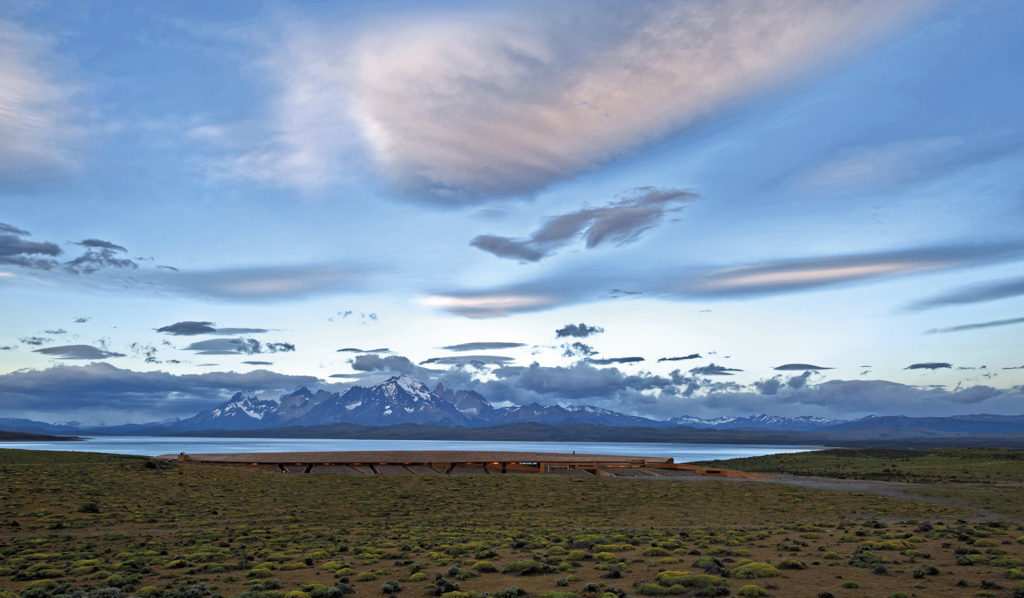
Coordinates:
x,y
17,251
856,398
264,283
258,362
35,341
612,360
236,346
99,254
575,285
714,370
56,331
577,349
466,104
493,304
77,352
770,386
193,328
81,320
799,367
930,365
580,330
469,359
977,325
974,294
804,274
579,381
483,346
100,392
799,381
36,132
622,222
391,363
100,244
188,328
683,358
355,350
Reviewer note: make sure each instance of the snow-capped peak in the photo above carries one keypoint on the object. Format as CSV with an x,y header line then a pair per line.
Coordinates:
x,y
411,386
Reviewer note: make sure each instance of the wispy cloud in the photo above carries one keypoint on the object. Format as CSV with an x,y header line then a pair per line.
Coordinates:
x,y
469,359
714,370
929,365
795,275
797,367
973,294
483,346
613,360
977,325
36,128
680,358
193,328
621,222
237,346
78,352
16,250
486,104
270,283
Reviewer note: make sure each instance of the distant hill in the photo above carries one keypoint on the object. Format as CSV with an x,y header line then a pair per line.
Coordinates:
x,y
9,436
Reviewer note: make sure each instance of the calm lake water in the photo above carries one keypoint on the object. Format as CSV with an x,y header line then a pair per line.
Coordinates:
x,y
162,445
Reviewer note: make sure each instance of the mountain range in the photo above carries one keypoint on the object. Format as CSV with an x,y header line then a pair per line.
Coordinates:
x,y
406,404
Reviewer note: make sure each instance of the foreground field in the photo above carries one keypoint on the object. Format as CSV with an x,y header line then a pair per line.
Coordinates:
x,y
107,526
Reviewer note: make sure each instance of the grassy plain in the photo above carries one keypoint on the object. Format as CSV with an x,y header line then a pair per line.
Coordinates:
x,y
950,465
102,526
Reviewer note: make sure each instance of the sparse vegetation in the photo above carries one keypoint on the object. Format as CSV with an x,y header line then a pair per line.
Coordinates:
x,y
225,532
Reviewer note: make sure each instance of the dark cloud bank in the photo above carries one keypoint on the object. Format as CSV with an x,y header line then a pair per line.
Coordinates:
x,y
102,391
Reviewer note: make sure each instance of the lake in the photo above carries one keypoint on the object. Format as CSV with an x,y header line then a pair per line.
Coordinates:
x,y
162,445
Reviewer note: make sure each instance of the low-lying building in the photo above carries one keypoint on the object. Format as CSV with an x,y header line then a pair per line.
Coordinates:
x,y
458,462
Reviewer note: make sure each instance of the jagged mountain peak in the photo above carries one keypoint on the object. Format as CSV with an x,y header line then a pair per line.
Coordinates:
x,y
417,390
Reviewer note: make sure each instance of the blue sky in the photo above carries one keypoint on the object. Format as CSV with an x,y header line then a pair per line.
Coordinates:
x,y
831,187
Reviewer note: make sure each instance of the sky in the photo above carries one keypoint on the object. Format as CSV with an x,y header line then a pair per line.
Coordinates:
x,y
706,208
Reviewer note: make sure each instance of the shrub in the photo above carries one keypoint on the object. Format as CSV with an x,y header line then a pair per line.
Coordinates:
x,y
792,564
1014,574
296,594
867,559
577,555
753,571
484,567
260,573
656,551
751,591
457,594
89,507
554,594
650,589
390,587
365,576
527,568
418,576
